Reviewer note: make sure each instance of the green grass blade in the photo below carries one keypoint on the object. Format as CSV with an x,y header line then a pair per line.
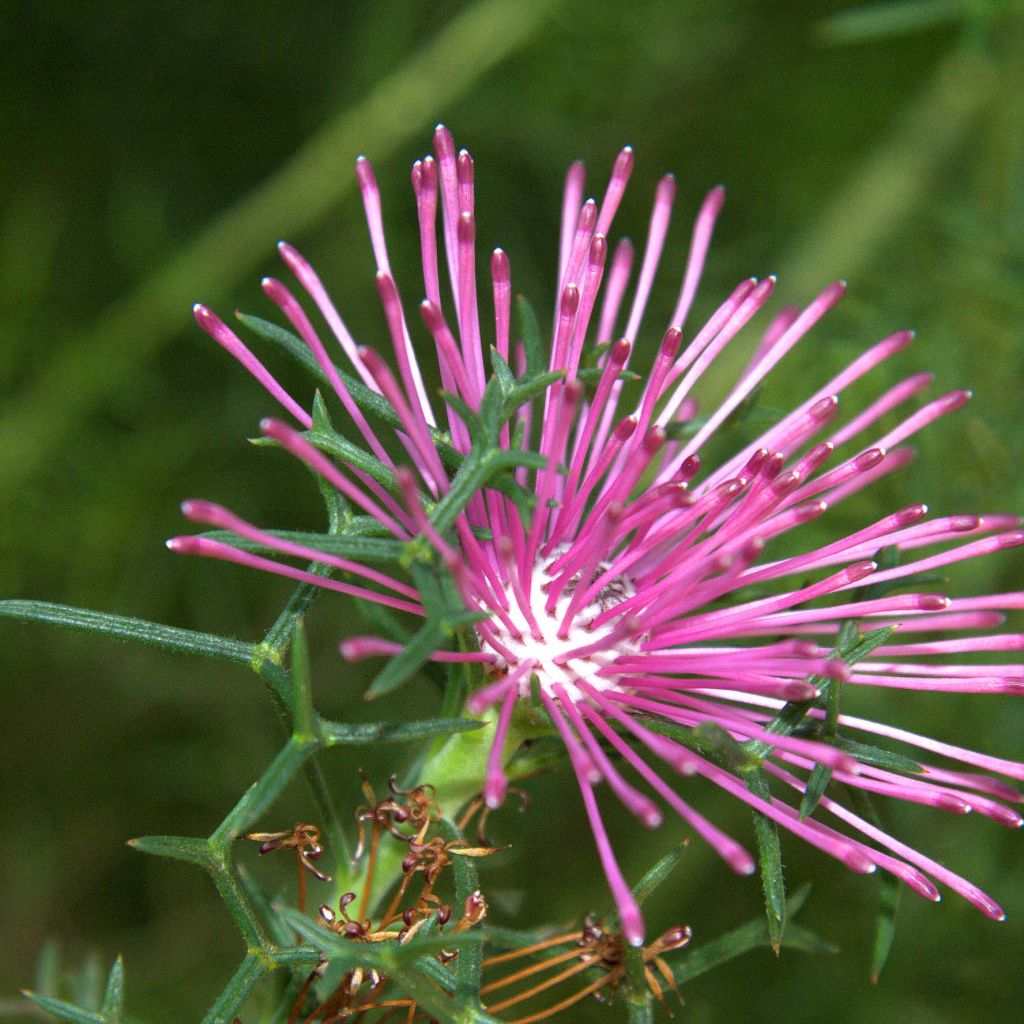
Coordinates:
x,y
874,21
261,795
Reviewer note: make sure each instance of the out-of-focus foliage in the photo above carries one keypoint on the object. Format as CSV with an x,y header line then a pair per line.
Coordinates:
x,y
883,145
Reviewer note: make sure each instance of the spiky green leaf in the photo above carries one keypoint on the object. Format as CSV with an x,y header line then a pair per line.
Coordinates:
x,y
754,935
529,387
368,400
885,928
362,733
658,873
399,669
532,344
769,860
878,757
65,1011
48,969
121,627
815,790
502,371
113,995
865,644
302,683
186,848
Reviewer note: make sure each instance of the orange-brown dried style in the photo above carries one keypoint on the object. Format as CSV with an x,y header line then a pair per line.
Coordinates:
x,y
305,841
405,815
595,952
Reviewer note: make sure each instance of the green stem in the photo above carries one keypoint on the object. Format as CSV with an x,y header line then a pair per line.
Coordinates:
x,y
282,692
639,1002
295,956
230,1001
238,906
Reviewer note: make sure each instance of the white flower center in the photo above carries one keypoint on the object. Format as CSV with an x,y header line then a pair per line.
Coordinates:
x,y
552,668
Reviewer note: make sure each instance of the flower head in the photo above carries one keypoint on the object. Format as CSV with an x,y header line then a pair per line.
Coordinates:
x,y
632,590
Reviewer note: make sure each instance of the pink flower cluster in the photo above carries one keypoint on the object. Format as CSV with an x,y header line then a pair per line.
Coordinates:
x,y
642,590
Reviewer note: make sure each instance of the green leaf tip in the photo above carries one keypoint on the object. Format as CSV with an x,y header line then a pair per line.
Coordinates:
x,y
748,937
821,776
399,669
659,872
113,995
185,848
64,1011
532,344
885,928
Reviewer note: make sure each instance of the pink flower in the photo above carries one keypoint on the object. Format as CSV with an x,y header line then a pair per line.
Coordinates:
x,y
642,595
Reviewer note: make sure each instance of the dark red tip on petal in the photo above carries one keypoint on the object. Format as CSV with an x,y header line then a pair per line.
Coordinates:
x,y
588,216
911,514
715,199
859,570
364,173
690,467
623,162
620,351
625,428
200,511
833,293
868,459
431,315
799,691
654,439
184,545
825,408
670,343
499,266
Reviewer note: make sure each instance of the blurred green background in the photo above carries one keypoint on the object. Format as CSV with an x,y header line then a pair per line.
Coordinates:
x,y
152,155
